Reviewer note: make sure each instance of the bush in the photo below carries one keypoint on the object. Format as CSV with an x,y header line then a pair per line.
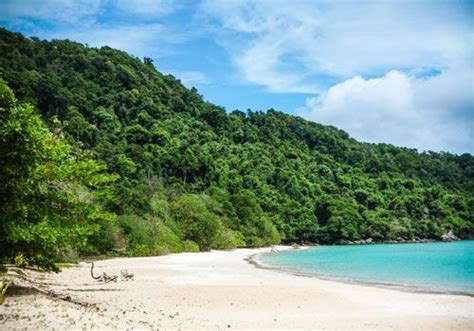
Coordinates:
x,y
190,246
150,236
195,222
225,239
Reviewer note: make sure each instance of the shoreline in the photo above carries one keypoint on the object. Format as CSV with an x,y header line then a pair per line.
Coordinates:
x,y
222,290
368,242
253,259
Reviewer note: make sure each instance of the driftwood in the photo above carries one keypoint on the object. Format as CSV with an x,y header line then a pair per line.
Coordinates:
x,y
4,285
64,297
99,278
24,280
125,275
104,277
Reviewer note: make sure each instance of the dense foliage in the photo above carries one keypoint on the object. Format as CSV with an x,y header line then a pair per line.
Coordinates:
x,y
195,177
50,200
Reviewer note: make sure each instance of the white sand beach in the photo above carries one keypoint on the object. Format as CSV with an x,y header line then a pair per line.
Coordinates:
x,y
220,290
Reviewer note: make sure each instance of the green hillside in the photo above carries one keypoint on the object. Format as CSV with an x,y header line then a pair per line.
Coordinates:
x,y
193,176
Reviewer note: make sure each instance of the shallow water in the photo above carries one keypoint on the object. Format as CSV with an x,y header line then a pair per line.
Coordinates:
x,y
445,267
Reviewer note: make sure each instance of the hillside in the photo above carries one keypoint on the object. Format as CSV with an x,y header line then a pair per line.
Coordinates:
x,y
193,176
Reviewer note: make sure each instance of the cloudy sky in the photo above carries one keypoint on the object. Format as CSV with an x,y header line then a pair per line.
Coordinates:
x,y
399,72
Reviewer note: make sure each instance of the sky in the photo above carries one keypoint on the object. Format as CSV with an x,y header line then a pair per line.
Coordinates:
x,y
398,72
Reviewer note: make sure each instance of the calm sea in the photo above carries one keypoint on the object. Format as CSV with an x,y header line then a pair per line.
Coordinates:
x,y
445,267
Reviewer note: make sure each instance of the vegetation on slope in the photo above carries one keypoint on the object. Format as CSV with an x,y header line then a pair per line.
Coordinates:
x,y
191,176
50,193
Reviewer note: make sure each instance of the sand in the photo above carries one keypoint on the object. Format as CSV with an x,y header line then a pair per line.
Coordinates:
x,y
220,290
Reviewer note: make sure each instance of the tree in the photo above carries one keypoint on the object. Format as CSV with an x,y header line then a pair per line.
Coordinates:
x,y
148,61
48,195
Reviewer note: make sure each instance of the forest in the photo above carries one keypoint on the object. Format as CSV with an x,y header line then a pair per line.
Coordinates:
x,y
100,153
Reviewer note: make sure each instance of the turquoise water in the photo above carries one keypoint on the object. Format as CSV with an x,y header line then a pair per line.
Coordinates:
x,y
446,267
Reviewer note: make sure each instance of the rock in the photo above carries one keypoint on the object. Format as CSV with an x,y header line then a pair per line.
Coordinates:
x,y
345,242
369,241
449,236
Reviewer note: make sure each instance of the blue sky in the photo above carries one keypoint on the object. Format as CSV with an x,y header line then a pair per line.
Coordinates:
x,y
399,72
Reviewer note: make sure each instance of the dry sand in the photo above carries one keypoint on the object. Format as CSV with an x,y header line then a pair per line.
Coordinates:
x,y
220,290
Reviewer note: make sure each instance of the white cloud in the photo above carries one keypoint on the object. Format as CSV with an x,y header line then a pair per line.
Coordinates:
x,y
286,46
190,78
88,21
259,65
401,109
262,35
153,40
65,11
147,7
140,40
309,46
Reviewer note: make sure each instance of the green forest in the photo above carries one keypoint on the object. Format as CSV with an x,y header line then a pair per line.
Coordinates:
x,y
100,153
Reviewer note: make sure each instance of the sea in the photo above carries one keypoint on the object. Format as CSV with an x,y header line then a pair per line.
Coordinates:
x,y
438,267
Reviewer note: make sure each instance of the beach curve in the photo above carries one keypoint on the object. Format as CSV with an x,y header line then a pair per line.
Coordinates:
x,y
221,290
